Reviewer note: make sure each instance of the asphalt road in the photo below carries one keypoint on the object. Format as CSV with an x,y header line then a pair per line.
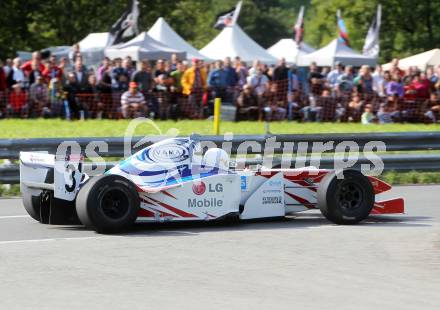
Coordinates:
x,y
387,262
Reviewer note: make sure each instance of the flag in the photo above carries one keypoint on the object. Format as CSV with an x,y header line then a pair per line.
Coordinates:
x,y
228,18
343,34
371,46
127,25
299,27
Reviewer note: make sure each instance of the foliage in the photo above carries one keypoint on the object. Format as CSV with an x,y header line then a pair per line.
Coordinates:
x,y
408,26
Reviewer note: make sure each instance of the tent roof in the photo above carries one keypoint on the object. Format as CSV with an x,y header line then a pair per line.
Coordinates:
x,y
336,51
95,40
232,42
143,46
288,49
421,61
162,32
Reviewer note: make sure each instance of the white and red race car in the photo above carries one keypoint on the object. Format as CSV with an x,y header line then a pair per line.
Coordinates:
x,y
164,182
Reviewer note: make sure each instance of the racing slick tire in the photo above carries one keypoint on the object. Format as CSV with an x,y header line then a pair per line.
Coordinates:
x,y
345,201
46,209
108,203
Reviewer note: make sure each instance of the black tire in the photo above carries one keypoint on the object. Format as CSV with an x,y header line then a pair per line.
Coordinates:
x,y
32,205
345,201
48,210
108,203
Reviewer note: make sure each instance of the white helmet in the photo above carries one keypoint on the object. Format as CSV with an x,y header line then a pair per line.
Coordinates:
x,y
217,158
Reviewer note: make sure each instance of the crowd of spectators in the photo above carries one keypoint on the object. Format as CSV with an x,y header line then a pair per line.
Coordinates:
x,y
176,89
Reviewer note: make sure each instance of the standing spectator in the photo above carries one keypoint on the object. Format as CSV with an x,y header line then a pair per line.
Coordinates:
x,y
52,70
65,67
260,85
93,98
143,77
120,78
241,72
103,68
255,66
247,105
176,90
34,64
160,69
364,81
132,102
315,79
8,66
174,62
280,77
161,91
127,64
81,75
17,106
194,84
75,53
217,80
333,76
378,81
38,105
16,75
395,68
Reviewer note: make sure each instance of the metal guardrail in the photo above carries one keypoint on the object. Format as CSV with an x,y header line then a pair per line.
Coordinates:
x,y
414,141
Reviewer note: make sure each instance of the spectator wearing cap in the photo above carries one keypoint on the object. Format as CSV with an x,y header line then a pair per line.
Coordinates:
x,y
333,76
17,106
194,82
38,95
133,102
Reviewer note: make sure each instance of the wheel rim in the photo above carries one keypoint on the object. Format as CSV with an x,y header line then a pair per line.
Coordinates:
x,y
114,204
350,196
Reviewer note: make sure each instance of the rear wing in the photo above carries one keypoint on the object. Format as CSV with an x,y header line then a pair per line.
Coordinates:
x,y
61,175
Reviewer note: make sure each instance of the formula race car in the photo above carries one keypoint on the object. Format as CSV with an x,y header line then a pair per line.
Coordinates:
x,y
167,182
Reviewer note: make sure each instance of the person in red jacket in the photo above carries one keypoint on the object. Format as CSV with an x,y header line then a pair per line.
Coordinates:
x,y
52,70
17,105
33,64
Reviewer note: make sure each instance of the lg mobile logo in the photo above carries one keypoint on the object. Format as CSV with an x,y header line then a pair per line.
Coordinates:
x,y
199,188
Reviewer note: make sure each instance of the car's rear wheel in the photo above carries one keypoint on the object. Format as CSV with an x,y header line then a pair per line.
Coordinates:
x,y
347,200
108,203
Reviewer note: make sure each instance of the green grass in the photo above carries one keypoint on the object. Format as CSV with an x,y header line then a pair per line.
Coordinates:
x,y
42,128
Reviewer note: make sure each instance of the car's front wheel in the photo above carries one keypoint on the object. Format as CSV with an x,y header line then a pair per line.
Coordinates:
x,y
108,203
346,200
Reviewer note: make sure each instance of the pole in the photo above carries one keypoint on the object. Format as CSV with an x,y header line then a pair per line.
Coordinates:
x,y
217,113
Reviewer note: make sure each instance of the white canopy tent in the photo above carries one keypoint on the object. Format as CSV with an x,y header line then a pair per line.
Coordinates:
x,y
288,49
143,47
161,31
421,61
232,42
336,51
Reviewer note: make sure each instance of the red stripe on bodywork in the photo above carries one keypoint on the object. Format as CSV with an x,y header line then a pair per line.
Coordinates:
x,y
168,194
175,210
161,213
145,213
392,206
301,200
379,185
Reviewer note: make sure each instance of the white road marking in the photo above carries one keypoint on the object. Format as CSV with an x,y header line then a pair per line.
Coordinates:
x,y
48,240
13,216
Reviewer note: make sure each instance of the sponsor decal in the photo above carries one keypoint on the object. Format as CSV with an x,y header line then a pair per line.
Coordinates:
x,y
272,200
205,203
199,188
274,183
244,183
168,153
267,191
